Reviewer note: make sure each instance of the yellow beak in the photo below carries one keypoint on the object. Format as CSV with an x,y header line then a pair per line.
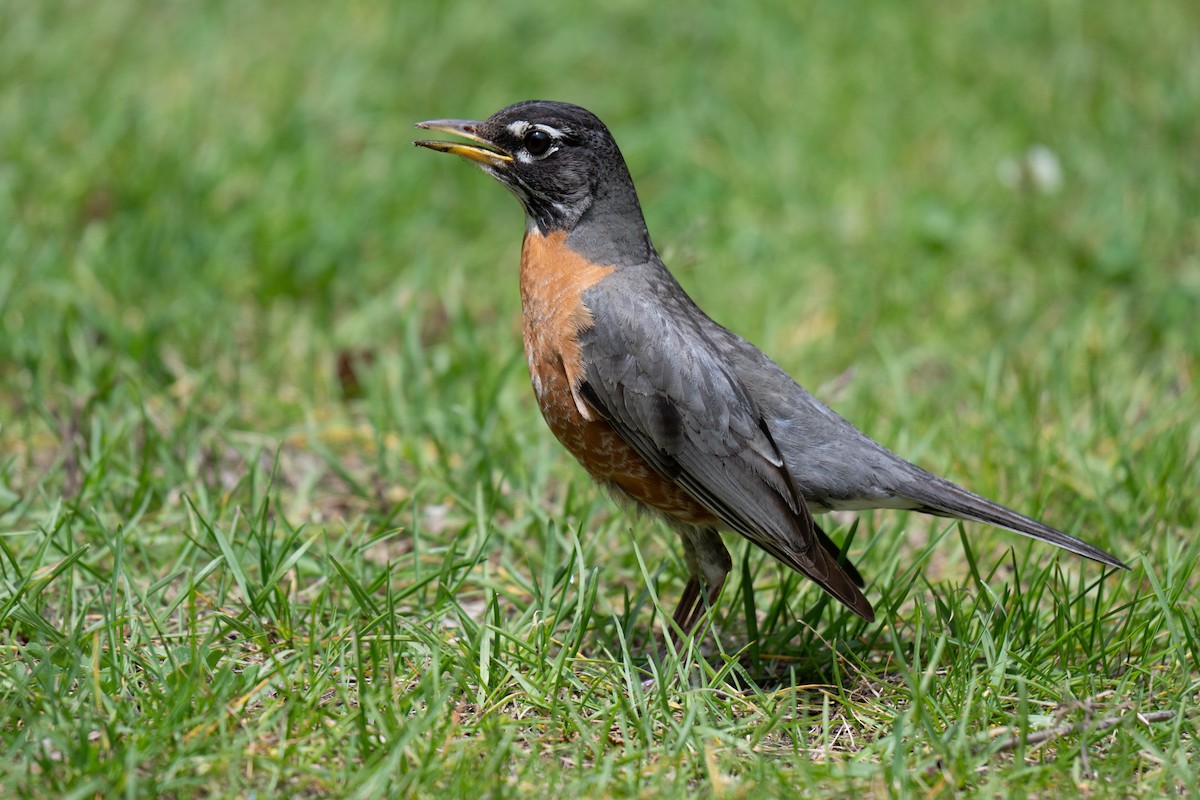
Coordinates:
x,y
482,151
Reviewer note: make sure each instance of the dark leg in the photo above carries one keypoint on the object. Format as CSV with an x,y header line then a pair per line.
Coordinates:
x,y
687,601
702,605
708,562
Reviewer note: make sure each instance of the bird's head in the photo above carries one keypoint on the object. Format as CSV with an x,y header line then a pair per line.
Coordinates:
x,y
558,159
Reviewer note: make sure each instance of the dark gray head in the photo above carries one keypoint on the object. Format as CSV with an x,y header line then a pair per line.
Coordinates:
x,y
558,159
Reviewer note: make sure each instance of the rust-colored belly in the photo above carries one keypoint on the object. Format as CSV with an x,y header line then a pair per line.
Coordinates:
x,y
553,279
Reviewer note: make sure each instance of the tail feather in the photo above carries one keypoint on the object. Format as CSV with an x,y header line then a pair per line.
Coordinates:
x,y
936,495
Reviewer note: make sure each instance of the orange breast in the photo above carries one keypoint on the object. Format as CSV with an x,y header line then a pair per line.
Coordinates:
x,y
553,280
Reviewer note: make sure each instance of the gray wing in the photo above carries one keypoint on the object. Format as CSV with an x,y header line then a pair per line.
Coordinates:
x,y
835,465
651,370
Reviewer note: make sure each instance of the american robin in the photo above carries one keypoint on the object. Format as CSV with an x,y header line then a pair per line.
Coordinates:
x,y
660,403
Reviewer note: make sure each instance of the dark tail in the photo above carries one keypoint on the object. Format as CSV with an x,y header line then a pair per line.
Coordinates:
x,y
939,496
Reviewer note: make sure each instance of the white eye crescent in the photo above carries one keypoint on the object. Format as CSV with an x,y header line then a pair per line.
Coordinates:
x,y
538,140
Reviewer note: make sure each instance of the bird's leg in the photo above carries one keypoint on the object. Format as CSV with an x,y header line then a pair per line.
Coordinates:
x,y
710,599
708,562
702,604
687,601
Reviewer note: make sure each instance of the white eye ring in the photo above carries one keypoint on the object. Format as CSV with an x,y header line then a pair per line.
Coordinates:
x,y
538,141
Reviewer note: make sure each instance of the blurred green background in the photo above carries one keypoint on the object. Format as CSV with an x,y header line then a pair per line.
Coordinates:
x,y
175,174
238,308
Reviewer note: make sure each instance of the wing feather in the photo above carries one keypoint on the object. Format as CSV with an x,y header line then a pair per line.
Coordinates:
x,y
661,382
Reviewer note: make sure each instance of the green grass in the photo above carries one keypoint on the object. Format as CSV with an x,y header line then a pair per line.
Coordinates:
x,y
278,516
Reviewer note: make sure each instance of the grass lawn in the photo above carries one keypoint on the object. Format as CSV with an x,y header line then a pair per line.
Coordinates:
x,y
279,516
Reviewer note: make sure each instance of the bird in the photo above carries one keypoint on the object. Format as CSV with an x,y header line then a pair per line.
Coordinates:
x,y
662,405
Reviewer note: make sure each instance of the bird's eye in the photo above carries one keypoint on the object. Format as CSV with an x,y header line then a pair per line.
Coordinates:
x,y
538,142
